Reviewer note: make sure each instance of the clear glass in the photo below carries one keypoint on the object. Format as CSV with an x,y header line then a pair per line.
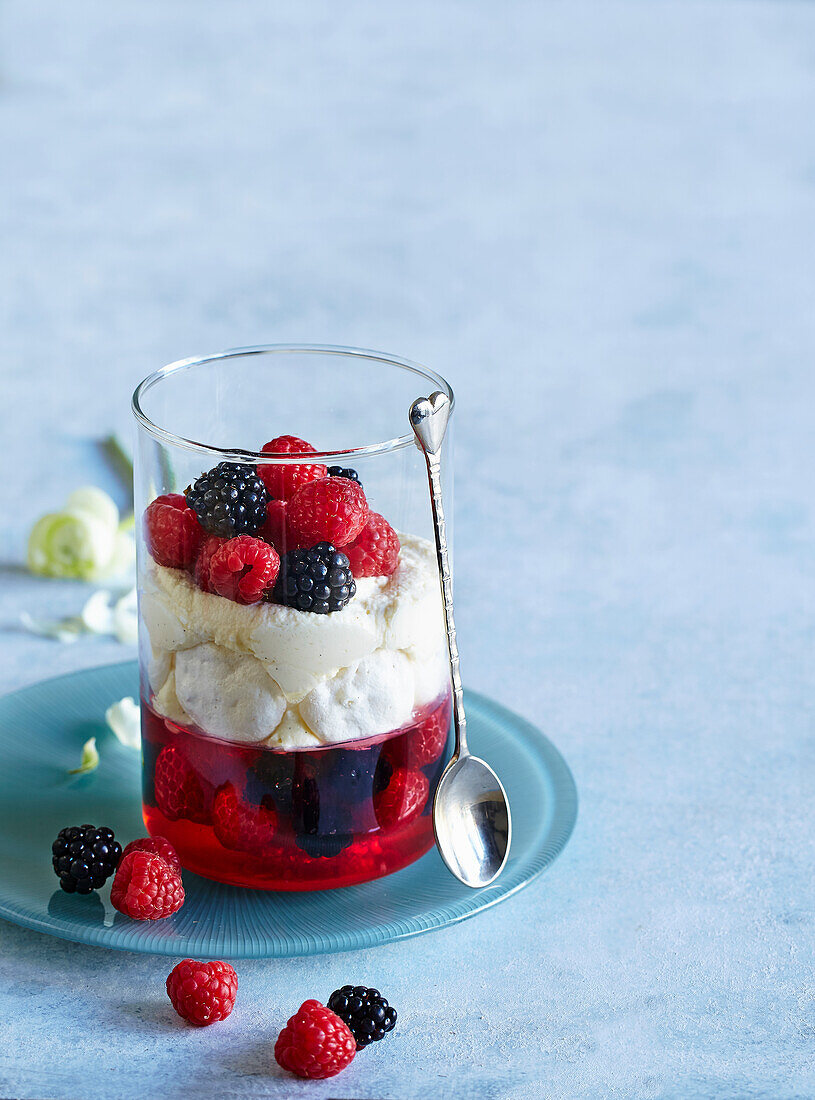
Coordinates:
x,y
285,748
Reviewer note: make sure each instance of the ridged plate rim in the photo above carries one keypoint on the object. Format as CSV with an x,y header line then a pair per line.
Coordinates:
x,y
146,937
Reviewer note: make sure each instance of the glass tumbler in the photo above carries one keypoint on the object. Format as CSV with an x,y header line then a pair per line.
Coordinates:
x,y
295,693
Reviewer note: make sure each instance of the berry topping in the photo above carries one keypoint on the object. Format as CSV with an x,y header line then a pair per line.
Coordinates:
x,y
375,550
283,481
179,791
332,510
229,500
367,1013
275,529
243,568
202,992
85,857
344,471
146,887
241,826
172,532
403,799
158,846
201,570
317,580
315,1043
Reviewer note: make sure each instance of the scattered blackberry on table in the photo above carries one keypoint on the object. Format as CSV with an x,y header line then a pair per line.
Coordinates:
x,y
317,580
365,1011
344,471
229,500
85,857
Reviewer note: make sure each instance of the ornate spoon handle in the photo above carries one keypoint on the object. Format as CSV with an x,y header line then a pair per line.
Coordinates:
x,y
429,417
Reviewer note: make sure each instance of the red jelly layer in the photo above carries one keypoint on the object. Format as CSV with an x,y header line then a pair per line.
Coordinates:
x,y
310,819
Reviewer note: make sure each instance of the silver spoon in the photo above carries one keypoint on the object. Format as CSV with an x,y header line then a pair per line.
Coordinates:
x,y
471,817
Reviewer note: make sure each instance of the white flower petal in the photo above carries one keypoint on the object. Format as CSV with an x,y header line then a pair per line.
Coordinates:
x,y
124,719
126,618
62,630
95,501
90,759
97,614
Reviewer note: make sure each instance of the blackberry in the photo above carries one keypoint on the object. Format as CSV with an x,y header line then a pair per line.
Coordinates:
x,y
320,824
229,500
271,776
344,471
84,857
318,580
348,773
367,1013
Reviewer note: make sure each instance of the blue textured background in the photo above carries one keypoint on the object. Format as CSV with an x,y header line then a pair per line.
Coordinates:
x,y
596,219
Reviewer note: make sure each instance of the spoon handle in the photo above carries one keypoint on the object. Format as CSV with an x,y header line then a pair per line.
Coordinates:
x,y
428,418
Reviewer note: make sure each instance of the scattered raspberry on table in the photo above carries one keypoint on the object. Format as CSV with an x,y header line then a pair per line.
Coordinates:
x,y
146,887
315,1043
202,992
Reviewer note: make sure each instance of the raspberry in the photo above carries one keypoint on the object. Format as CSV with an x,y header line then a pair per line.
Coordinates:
x,y
275,529
241,826
315,1043
202,992
201,572
429,740
172,531
175,500
146,887
179,791
283,481
158,846
332,510
403,799
375,550
243,568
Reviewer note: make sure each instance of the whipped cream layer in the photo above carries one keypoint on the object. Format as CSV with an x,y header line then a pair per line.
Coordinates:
x,y
293,679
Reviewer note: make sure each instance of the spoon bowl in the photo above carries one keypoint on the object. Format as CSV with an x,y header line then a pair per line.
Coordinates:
x,y
471,821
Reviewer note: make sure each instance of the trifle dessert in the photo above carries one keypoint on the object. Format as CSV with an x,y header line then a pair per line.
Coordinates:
x,y
295,686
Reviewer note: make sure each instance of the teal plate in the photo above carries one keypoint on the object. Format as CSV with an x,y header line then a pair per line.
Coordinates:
x,y
42,729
